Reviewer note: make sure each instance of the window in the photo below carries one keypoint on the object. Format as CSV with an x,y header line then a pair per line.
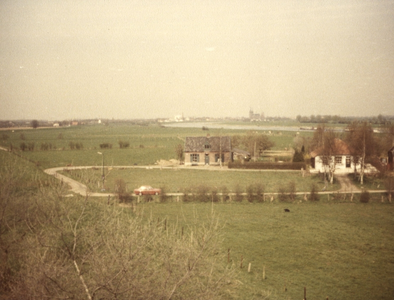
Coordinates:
x,y
338,159
348,161
207,146
194,157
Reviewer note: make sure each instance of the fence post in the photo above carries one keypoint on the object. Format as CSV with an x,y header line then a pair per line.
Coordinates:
x,y
304,292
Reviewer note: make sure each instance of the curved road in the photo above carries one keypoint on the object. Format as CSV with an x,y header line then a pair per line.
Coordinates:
x,y
346,185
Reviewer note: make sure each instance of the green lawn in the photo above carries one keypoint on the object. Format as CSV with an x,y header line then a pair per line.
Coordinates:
x,y
177,179
339,251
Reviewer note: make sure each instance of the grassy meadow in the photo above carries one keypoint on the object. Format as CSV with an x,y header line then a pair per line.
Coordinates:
x,y
335,250
148,144
339,251
177,179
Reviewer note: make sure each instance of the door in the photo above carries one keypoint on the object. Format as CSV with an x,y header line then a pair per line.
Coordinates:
x,y
206,158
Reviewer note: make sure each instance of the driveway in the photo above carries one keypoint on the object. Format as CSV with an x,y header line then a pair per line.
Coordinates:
x,y
346,184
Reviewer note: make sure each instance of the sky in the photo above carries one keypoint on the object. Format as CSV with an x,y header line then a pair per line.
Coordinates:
x,y
74,59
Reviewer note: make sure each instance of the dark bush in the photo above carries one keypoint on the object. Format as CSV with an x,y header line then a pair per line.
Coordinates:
x,y
187,194
238,193
23,146
30,146
214,194
267,165
225,195
163,195
123,144
259,190
106,146
314,196
364,196
250,193
202,193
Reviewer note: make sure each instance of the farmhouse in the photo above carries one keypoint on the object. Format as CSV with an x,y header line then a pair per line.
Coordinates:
x,y
340,158
209,150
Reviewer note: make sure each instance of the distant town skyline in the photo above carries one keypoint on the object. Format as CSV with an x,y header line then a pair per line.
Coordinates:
x,y
157,59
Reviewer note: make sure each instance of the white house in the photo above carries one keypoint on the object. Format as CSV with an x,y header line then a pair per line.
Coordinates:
x,y
340,161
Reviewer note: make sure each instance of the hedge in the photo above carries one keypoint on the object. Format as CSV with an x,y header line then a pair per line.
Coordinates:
x,y
267,165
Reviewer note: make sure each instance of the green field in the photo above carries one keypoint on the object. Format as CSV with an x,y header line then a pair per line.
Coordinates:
x,y
343,251
148,144
177,179
335,249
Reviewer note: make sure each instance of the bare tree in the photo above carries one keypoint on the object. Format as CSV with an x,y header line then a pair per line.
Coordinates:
x,y
362,144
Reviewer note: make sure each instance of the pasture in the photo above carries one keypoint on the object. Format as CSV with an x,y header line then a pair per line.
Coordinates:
x,y
335,250
339,251
148,144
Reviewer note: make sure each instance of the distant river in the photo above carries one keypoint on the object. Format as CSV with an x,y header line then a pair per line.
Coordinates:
x,y
235,127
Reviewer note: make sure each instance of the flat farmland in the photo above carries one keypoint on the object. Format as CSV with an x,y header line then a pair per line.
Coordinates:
x,y
339,251
147,144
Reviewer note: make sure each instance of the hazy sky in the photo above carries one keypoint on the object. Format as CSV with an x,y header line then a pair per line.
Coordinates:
x,y
145,59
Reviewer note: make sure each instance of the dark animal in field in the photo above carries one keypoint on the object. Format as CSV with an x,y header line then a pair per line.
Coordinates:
x,y
287,210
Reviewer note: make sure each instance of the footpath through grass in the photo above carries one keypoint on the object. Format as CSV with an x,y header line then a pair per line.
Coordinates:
x,y
339,251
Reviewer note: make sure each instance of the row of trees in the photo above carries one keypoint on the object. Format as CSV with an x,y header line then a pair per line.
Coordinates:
x,y
335,119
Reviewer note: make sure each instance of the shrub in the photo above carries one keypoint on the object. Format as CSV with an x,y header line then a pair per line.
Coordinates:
x,y
71,145
282,196
60,136
267,165
314,196
202,193
123,144
30,146
250,193
238,193
259,190
364,196
225,193
79,146
163,196
187,194
214,194
106,146
23,146
291,190
121,191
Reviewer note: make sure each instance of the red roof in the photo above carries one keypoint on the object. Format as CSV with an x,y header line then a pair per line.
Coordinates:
x,y
339,148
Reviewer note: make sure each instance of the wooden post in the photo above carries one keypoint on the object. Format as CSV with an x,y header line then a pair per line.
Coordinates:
x,y
263,272
304,292
249,267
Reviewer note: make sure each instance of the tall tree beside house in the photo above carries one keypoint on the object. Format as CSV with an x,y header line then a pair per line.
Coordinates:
x,y
256,143
252,142
325,139
34,124
318,137
179,152
362,144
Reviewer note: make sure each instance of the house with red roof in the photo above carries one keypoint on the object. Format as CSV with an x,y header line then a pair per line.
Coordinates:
x,y
338,158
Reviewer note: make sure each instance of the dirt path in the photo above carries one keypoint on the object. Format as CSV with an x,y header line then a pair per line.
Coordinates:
x,y
346,184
